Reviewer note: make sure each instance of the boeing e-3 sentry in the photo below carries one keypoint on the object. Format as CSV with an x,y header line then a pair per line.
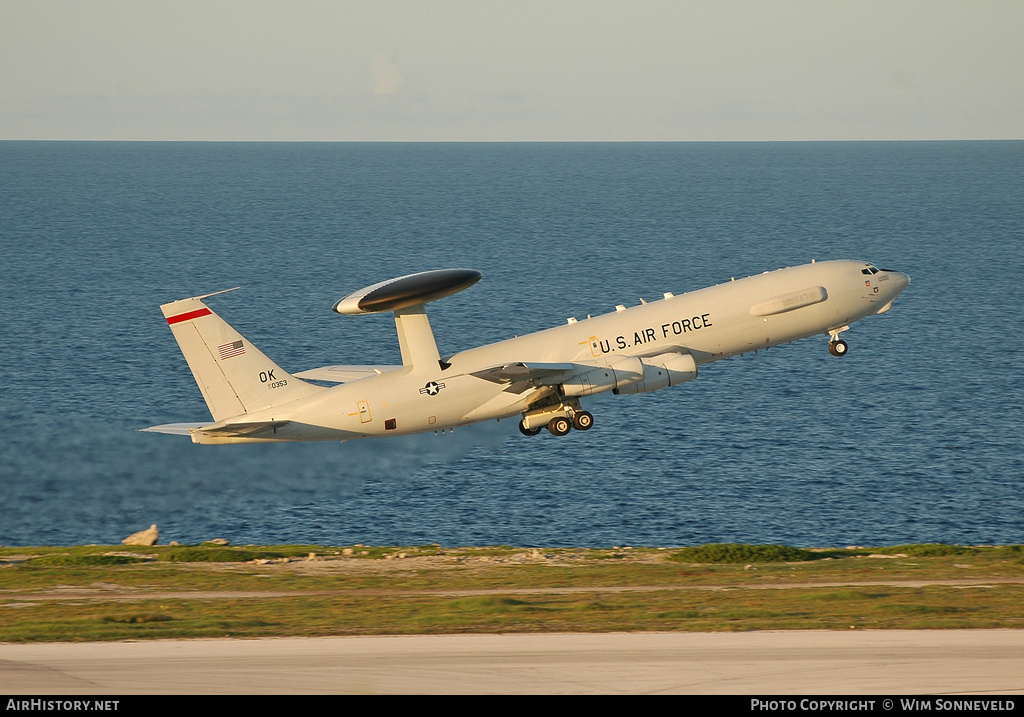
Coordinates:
x,y
540,377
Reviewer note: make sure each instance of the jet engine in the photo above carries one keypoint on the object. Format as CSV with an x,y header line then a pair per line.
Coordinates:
x,y
622,372
661,371
630,374
587,384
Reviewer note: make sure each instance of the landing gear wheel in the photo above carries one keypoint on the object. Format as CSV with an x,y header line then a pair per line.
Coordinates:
x,y
528,431
837,348
583,420
559,425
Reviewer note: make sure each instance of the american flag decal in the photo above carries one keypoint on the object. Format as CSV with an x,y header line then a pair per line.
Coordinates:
x,y
235,348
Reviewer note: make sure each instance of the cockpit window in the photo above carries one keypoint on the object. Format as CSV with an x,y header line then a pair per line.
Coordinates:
x,y
869,270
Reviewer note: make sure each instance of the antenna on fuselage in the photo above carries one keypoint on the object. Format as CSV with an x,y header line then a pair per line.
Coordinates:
x,y
407,296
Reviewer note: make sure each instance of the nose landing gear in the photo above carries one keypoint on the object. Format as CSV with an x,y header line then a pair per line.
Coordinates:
x,y
836,346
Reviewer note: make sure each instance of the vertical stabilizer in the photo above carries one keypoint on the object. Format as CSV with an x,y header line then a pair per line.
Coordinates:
x,y
415,337
234,376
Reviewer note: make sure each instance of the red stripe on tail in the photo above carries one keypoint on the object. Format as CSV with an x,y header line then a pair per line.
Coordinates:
x,y
188,316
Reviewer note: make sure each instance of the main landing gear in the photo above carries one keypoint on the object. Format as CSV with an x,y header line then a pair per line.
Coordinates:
x,y
836,346
582,420
559,425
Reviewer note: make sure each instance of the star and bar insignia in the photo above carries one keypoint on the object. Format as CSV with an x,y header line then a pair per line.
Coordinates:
x,y
432,388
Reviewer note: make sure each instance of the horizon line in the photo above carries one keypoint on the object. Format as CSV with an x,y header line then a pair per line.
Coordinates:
x,y
523,141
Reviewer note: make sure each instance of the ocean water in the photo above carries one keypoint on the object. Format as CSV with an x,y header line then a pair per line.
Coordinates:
x,y
915,436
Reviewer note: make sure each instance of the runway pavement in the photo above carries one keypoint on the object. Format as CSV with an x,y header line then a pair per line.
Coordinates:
x,y
976,662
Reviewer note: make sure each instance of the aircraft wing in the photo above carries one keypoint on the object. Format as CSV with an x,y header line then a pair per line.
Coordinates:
x,y
344,374
522,376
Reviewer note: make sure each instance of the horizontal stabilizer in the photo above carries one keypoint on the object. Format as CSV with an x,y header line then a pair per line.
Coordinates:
x,y
248,429
175,429
344,374
236,430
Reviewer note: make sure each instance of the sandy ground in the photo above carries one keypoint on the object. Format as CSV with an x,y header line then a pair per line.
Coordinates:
x,y
897,662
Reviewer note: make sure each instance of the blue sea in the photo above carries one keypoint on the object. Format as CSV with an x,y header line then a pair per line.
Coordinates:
x,y
917,435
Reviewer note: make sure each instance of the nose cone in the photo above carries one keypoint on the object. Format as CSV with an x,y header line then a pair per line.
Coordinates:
x,y
897,282
901,280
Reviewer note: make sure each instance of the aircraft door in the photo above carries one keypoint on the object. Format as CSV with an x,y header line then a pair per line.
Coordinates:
x,y
364,412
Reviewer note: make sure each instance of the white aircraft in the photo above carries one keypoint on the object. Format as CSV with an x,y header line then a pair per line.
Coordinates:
x,y
540,377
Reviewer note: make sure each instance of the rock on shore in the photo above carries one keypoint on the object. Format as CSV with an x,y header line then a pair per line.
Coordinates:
x,y
143,537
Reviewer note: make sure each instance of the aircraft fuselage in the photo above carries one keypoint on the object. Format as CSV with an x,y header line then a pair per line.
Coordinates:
x,y
658,340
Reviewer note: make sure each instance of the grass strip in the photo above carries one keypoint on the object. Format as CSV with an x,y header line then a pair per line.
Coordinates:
x,y
89,593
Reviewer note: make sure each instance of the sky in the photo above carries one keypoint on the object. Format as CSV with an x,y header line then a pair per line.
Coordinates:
x,y
511,70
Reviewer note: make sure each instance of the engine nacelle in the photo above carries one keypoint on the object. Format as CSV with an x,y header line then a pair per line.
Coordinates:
x,y
681,367
630,374
629,371
662,371
622,372
587,384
